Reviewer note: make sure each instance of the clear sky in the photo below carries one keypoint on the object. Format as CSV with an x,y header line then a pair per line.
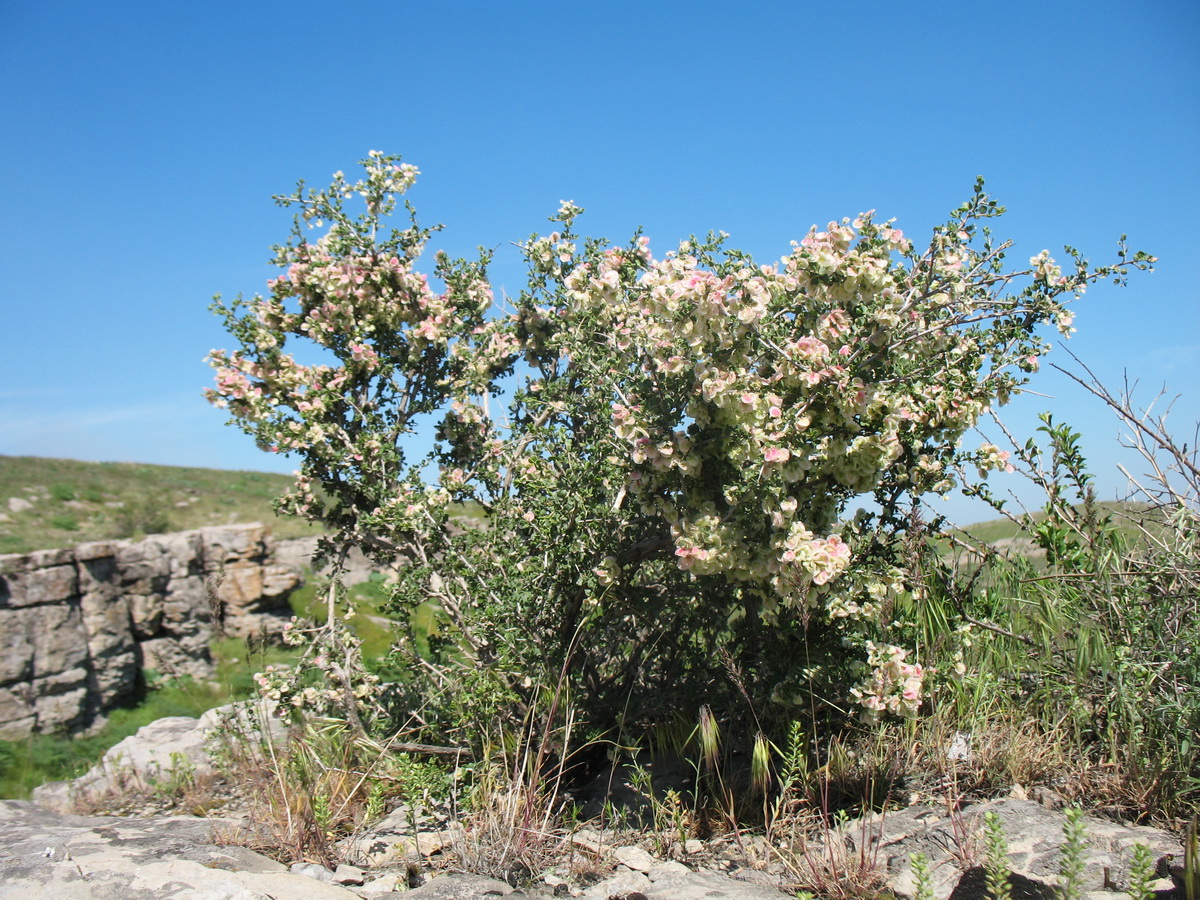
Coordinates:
x,y
141,142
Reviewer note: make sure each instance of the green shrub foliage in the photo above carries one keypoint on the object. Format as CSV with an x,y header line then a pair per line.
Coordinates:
x,y
667,451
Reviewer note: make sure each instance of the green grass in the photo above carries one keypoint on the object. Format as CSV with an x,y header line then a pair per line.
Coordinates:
x,y
370,624
1001,531
75,501
27,763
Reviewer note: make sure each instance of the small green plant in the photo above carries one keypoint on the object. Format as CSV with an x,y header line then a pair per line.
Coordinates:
x,y
795,774
62,492
1070,867
65,522
375,803
1191,860
141,516
179,777
322,814
642,783
995,864
1141,873
922,880
669,814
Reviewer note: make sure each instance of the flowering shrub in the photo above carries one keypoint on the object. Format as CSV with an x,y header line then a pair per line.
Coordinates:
x,y
665,500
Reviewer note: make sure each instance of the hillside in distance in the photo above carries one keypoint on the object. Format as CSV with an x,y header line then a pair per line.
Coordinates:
x,y
47,503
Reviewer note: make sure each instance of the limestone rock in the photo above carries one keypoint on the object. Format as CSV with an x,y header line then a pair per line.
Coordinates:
x,y
48,855
145,613
396,839
668,883
111,646
98,550
165,747
16,712
459,887
296,553
635,858
59,641
1035,839
144,567
312,870
241,586
33,585
44,559
16,646
187,655
108,609
278,581
61,698
233,542
344,874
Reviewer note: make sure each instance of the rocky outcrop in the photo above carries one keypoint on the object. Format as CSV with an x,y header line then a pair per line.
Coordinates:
x,y
47,855
165,749
952,840
298,553
79,624
409,847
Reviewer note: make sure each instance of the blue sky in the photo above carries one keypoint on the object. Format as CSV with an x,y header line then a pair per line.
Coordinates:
x,y
140,144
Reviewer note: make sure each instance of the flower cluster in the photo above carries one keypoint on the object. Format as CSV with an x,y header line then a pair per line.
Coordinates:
x,y
991,458
756,400
329,678
893,685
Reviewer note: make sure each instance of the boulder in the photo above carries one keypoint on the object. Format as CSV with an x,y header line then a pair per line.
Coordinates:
x,y
163,748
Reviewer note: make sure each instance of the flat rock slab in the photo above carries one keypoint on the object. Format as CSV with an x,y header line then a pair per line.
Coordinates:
x,y
672,882
48,856
1035,839
661,883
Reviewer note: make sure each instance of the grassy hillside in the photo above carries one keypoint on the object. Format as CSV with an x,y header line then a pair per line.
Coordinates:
x,y
58,502
1002,532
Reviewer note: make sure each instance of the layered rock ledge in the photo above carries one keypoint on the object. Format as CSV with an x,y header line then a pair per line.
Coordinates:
x,y
79,624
